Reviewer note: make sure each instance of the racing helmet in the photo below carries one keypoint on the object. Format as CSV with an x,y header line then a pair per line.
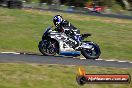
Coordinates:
x,y
57,20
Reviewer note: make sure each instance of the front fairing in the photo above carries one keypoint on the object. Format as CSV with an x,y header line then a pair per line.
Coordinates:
x,y
46,32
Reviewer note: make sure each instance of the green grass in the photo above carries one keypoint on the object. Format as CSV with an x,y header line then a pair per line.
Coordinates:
x,y
52,76
21,30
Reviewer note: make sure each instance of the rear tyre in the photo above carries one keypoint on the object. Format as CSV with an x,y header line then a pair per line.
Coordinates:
x,y
47,47
92,53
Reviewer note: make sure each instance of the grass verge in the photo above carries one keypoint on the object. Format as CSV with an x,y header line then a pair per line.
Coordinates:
x,y
14,75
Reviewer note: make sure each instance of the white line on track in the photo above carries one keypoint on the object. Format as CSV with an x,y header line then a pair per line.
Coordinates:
x,y
121,61
110,60
10,52
99,59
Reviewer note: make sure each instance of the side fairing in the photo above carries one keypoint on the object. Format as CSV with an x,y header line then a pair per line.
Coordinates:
x,y
64,48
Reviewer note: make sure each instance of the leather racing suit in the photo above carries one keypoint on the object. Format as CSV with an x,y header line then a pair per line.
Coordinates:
x,y
71,31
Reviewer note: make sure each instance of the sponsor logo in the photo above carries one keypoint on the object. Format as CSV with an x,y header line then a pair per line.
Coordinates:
x,y
83,78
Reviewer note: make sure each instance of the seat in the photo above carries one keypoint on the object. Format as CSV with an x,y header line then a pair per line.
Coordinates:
x,y
85,35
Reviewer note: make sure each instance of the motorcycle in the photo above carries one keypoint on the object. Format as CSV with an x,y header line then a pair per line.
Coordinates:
x,y
53,43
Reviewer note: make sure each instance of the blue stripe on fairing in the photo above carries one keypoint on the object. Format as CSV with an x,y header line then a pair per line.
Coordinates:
x,y
78,38
70,53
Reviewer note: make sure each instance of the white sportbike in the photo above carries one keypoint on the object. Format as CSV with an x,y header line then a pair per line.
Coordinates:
x,y
53,43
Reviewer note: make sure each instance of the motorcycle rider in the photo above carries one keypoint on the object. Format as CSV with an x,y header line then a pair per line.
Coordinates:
x,y
66,27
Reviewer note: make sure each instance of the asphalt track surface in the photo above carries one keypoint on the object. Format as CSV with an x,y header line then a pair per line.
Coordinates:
x,y
59,60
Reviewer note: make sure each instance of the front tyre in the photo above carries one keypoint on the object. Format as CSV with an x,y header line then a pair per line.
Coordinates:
x,y
47,47
92,53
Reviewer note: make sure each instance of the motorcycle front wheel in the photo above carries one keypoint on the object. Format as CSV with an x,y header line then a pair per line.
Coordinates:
x,y
47,48
92,53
